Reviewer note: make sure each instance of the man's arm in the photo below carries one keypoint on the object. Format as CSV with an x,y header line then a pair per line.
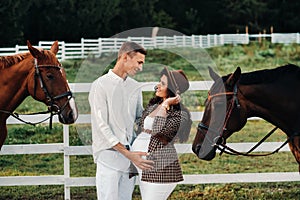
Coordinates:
x,y
101,131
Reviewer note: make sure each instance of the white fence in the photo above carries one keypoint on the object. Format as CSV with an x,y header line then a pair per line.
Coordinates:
x,y
97,47
67,150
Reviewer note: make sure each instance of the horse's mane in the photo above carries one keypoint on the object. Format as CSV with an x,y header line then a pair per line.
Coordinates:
x,y
7,61
267,75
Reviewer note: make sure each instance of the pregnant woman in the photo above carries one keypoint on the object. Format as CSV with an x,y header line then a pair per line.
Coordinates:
x,y
164,121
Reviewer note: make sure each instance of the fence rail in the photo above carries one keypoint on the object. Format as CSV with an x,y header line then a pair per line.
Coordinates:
x,y
97,47
67,151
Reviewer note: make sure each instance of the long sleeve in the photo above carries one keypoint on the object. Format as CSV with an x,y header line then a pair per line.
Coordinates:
x,y
165,128
115,105
102,134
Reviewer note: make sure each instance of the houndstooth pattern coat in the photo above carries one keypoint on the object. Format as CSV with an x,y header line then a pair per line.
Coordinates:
x,y
161,147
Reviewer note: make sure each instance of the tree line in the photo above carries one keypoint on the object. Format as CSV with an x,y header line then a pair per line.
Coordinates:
x,y
70,20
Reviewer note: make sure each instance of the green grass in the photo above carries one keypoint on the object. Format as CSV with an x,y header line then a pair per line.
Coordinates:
x,y
265,191
248,191
225,59
52,164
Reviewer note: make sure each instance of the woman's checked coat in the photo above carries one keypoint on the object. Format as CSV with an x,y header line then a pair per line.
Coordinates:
x,y
161,147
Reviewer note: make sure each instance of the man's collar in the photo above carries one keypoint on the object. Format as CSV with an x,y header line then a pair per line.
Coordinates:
x,y
115,76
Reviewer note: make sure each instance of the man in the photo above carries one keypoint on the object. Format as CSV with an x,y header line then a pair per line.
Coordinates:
x,y
116,102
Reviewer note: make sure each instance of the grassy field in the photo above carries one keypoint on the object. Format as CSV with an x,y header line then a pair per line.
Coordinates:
x,y
225,59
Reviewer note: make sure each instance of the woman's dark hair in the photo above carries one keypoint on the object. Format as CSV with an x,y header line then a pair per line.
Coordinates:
x,y
186,122
158,100
184,130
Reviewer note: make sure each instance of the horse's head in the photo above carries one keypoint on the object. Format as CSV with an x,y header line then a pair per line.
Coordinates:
x,y
224,114
47,83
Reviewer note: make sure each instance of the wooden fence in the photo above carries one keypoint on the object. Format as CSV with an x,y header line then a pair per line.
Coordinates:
x,y
97,47
67,151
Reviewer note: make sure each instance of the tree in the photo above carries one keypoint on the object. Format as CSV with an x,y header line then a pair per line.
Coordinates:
x,y
12,21
284,15
134,14
70,20
241,13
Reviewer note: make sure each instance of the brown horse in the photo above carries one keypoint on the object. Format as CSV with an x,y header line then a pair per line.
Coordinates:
x,y
269,94
39,74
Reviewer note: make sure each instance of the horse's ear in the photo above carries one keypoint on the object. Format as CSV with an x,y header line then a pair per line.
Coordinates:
x,y
34,51
233,78
54,48
213,74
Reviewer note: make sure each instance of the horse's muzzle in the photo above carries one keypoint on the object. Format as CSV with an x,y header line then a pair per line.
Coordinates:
x,y
69,114
204,153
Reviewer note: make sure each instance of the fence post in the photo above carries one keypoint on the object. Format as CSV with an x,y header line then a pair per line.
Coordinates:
x,y
193,41
165,41
222,39
100,46
82,47
66,162
200,41
215,40
208,40
175,40
143,41
63,51
297,38
184,41
116,44
154,42
17,49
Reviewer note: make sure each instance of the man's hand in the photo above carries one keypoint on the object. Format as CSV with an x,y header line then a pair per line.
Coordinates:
x,y
137,160
135,157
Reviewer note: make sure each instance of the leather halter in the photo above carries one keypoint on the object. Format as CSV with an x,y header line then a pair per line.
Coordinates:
x,y
228,113
50,99
38,75
219,141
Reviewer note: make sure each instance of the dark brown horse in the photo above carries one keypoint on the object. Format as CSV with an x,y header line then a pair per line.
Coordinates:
x,y
37,73
269,94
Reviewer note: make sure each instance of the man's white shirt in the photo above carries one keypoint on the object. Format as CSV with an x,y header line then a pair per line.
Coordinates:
x,y
115,105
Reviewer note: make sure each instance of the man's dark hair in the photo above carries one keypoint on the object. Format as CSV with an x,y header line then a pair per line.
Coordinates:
x,y
131,48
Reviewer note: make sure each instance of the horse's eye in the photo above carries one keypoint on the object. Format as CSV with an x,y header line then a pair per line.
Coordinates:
x,y
50,76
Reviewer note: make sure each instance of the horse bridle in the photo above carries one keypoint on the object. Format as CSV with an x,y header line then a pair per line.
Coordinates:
x,y
233,102
219,141
50,100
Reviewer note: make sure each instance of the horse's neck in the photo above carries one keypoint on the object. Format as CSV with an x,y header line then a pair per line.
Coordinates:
x,y
13,83
271,104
